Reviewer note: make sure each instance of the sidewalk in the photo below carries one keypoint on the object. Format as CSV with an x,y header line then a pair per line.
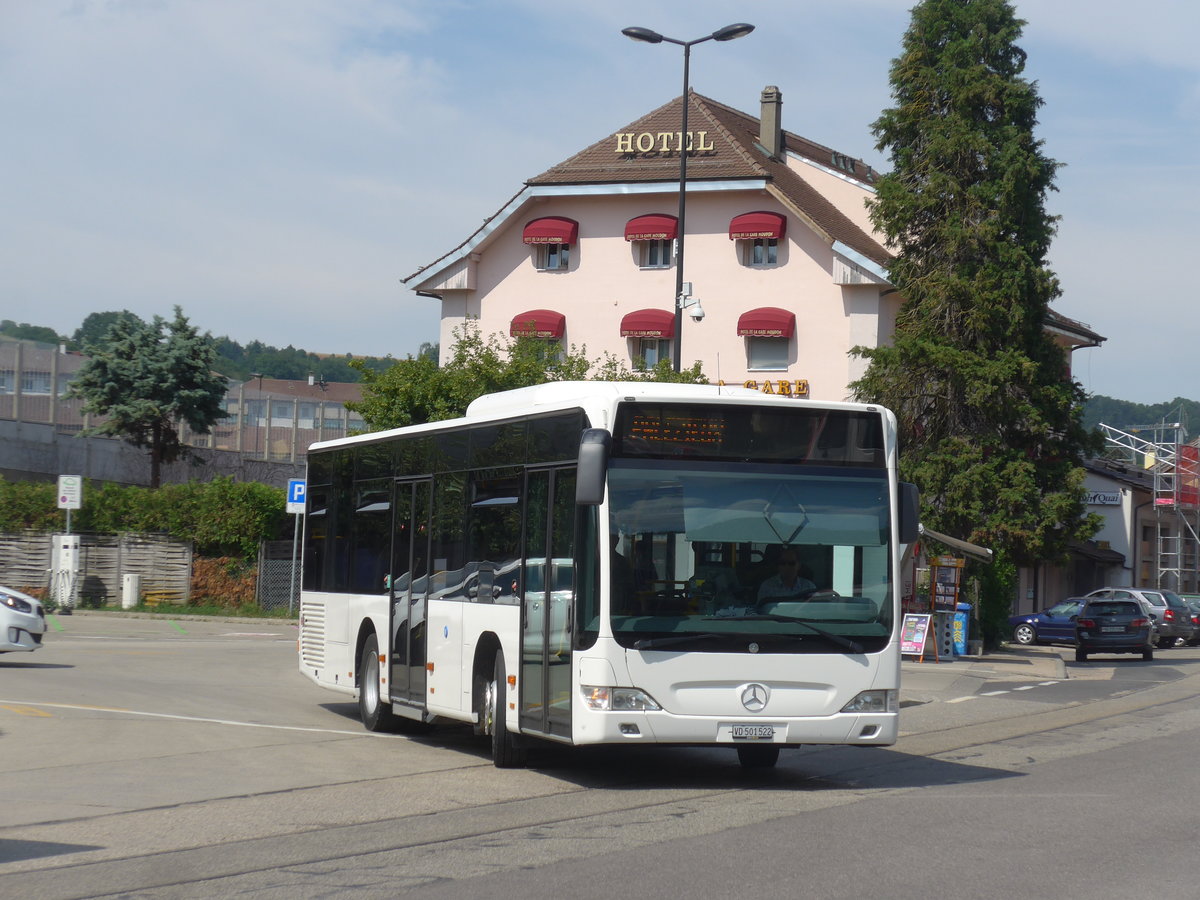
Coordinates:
x,y
923,681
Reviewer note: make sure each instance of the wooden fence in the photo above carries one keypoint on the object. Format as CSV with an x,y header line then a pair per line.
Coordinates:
x,y
165,565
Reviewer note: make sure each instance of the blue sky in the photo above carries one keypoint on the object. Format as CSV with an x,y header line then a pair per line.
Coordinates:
x,y
276,167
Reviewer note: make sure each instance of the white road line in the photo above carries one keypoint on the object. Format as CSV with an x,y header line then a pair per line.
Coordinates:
x,y
154,715
962,699
992,693
1025,687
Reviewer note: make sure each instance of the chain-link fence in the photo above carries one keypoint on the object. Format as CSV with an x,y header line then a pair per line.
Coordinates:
x,y
278,579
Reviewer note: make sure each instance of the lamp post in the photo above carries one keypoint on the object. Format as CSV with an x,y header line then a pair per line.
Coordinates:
x,y
728,33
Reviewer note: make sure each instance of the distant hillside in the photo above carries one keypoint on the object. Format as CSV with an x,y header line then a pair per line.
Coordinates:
x,y
233,360
1125,415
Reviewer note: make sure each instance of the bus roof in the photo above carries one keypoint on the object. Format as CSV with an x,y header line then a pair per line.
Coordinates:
x,y
592,397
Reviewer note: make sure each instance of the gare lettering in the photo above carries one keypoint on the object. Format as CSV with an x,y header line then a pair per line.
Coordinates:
x,y
783,386
661,142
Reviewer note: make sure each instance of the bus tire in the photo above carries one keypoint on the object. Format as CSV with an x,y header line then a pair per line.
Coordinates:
x,y
758,756
376,714
507,753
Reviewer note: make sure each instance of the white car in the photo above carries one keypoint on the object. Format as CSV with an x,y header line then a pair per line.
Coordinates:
x,y
22,621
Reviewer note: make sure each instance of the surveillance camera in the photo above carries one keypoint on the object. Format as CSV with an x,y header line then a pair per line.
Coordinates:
x,y
696,312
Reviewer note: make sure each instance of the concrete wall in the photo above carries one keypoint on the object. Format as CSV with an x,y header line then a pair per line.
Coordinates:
x,y
34,452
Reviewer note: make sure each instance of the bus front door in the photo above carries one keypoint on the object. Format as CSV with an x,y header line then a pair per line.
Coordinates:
x,y
549,600
410,576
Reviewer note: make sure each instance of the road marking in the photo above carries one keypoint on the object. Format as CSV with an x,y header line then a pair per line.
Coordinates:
x,y
153,715
24,710
53,620
251,634
176,626
1023,687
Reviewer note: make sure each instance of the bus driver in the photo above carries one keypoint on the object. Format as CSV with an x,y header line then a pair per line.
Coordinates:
x,y
787,582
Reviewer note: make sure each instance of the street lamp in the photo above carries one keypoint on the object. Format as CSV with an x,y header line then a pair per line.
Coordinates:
x,y
728,33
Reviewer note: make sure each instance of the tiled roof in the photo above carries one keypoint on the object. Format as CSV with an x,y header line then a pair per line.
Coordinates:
x,y
734,154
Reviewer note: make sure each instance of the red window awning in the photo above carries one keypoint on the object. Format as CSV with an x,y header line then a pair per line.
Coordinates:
x,y
655,227
551,230
539,323
767,321
752,225
656,323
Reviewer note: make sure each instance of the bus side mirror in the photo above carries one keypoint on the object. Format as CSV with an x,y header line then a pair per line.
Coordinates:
x,y
592,473
909,514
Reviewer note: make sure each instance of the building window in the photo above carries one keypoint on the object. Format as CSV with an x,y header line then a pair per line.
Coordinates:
x,y
760,252
654,254
648,351
552,257
767,353
35,382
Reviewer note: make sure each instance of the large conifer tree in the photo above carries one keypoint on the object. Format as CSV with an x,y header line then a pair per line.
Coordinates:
x,y
147,378
990,422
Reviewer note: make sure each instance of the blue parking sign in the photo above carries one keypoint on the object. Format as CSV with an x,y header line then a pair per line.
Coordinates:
x,y
295,495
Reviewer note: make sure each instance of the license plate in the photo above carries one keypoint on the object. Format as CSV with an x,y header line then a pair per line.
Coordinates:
x,y
753,732
1111,628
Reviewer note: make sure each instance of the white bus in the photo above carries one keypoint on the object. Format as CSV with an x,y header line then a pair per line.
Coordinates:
x,y
585,563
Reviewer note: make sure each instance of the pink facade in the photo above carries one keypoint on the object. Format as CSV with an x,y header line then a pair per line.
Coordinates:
x,y
828,268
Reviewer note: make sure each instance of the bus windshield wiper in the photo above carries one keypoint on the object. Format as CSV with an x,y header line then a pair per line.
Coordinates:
x,y
654,643
839,640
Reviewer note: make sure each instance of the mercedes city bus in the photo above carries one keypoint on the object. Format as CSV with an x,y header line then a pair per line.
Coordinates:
x,y
610,563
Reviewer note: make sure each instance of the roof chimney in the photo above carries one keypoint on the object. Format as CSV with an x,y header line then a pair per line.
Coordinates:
x,y
770,128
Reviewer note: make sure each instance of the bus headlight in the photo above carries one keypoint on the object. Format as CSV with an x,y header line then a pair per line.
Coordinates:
x,y
618,699
874,702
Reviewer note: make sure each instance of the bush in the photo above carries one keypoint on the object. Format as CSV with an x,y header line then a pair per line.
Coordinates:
x,y
222,517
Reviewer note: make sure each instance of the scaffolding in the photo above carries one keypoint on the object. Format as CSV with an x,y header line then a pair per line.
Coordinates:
x,y
1164,452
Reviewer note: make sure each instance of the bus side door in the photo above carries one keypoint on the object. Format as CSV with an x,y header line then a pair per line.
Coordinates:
x,y
548,601
409,587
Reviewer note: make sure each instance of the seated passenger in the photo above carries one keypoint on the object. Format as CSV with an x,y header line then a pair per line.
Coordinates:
x,y
787,583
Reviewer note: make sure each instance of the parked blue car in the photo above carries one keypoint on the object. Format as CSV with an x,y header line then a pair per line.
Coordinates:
x,y
1053,625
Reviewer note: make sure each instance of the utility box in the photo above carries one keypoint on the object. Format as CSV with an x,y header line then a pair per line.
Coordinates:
x,y
131,590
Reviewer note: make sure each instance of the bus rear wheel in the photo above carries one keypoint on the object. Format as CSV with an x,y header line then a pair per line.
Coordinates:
x,y
758,756
506,750
376,714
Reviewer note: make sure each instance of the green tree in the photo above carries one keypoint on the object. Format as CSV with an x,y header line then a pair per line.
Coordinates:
x,y
26,332
417,389
146,379
991,429
93,331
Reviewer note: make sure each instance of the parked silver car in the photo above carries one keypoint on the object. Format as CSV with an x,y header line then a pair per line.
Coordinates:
x,y
22,621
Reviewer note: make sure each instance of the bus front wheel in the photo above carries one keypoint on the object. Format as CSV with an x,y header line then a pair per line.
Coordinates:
x,y
506,751
375,713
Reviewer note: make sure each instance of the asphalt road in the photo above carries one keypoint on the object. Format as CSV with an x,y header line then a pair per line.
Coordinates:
x,y
176,759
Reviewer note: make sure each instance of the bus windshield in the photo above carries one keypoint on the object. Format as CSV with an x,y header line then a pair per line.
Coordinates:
x,y
749,557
